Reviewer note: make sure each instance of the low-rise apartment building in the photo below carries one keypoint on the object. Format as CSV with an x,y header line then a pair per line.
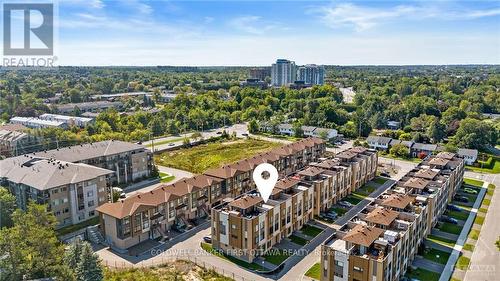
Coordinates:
x,y
37,123
130,162
380,242
71,190
14,140
68,120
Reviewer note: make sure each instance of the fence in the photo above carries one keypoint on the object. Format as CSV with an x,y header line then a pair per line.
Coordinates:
x,y
165,260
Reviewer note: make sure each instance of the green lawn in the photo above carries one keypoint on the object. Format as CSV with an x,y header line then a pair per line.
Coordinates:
x,y
298,240
354,198
314,272
166,177
72,228
440,240
424,275
468,247
479,220
208,248
495,169
483,210
474,234
276,256
380,180
340,211
463,215
473,182
213,155
450,228
436,256
310,230
463,263
486,202
388,155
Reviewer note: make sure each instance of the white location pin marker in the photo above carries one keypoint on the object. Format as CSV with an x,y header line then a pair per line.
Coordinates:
x,y
265,177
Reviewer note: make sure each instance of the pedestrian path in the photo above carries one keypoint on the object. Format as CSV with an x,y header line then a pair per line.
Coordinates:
x,y
462,238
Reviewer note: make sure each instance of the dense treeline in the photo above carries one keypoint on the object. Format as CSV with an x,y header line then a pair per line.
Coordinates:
x,y
432,103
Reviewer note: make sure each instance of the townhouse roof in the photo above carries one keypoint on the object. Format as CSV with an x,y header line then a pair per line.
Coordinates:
x,y
311,171
446,155
424,146
409,144
246,201
378,139
397,200
381,216
327,130
286,183
467,152
128,206
439,161
363,235
285,126
43,174
418,183
224,172
7,135
394,142
202,181
428,174
13,127
327,164
308,128
346,155
85,151
358,149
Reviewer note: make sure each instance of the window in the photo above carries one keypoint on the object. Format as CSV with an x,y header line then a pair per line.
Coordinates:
x,y
90,203
137,222
90,193
91,213
222,228
359,269
145,220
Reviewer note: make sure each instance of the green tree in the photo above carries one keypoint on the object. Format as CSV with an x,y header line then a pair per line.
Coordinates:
x,y
253,127
298,132
89,266
399,150
474,133
30,249
436,131
7,207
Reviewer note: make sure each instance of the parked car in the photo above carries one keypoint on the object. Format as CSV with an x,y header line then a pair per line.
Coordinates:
x,y
384,174
470,190
245,134
207,239
345,204
449,220
219,133
171,144
461,198
453,208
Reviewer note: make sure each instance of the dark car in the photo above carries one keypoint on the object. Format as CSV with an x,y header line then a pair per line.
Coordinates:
x,y
207,239
460,198
450,220
453,208
385,175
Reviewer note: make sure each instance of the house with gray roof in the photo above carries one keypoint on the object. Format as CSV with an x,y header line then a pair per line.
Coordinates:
x,y
425,148
469,155
378,143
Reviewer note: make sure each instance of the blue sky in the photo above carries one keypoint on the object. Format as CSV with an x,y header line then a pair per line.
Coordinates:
x,y
134,32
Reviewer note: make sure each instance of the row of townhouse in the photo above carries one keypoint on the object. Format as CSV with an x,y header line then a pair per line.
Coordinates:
x,y
381,242
177,206
308,131
246,227
14,140
416,148
74,180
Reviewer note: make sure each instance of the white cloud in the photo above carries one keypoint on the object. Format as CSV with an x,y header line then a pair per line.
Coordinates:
x,y
363,17
252,24
95,4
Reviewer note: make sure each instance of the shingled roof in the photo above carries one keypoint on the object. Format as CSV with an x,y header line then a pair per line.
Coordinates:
x,y
399,201
382,216
363,235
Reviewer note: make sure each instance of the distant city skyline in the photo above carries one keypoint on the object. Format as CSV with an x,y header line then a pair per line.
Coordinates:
x,y
246,33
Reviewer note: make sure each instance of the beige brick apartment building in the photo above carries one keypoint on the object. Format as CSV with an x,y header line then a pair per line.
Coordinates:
x,y
381,242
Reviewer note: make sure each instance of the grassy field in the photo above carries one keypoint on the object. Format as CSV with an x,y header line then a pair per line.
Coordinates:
x,y
442,241
311,230
422,274
468,247
450,228
276,256
463,215
166,177
354,198
212,155
298,240
474,182
208,248
463,263
474,234
340,211
495,169
178,270
437,256
315,271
